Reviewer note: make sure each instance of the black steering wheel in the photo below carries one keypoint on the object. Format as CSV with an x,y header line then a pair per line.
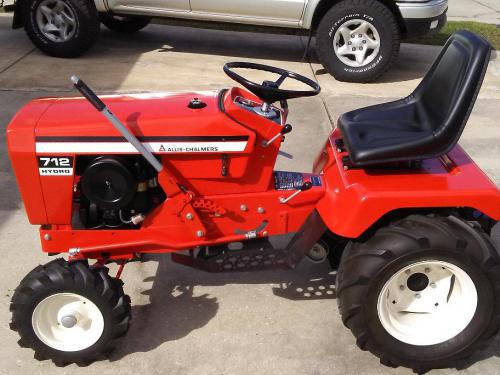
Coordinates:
x,y
269,91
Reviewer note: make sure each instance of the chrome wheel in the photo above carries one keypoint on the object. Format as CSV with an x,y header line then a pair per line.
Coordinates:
x,y
68,322
56,20
356,43
427,303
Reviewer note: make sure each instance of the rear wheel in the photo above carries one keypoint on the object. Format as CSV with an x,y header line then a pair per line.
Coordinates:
x,y
61,28
70,312
421,293
125,24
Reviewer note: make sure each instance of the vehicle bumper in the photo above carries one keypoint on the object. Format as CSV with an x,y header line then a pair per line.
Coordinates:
x,y
422,9
416,27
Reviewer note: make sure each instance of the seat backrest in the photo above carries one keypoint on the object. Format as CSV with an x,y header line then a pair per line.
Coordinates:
x,y
449,90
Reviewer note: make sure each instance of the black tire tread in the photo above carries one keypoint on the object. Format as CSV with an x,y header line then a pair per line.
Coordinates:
x,y
60,275
323,48
359,263
88,33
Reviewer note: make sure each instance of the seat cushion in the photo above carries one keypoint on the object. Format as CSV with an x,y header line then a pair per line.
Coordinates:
x,y
429,122
386,132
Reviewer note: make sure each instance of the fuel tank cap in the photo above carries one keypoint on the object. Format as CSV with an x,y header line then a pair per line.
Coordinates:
x,y
196,103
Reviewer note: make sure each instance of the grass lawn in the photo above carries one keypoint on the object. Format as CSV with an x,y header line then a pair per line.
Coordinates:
x,y
490,32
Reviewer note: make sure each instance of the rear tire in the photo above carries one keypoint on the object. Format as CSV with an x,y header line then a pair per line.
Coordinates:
x,y
376,42
61,28
440,246
70,312
125,24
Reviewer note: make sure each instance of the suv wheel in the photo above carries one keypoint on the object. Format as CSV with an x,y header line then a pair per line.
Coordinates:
x,y
358,40
62,28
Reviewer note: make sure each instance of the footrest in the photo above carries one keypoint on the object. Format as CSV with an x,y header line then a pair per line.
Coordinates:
x,y
257,255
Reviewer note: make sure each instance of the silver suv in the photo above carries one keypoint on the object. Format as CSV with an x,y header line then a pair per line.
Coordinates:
x,y
356,40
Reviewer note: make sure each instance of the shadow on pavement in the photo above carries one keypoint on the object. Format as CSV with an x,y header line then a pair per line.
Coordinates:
x,y
175,310
281,47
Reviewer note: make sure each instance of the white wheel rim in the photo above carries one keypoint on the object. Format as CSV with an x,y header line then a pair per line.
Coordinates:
x,y
356,43
67,322
432,315
56,20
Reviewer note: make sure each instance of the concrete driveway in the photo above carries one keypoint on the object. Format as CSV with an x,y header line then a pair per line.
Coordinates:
x,y
487,11
185,321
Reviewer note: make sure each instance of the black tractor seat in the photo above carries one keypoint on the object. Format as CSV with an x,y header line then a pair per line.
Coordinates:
x,y
428,123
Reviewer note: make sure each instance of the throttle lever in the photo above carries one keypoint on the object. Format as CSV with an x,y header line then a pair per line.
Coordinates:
x,y
305,186
285,130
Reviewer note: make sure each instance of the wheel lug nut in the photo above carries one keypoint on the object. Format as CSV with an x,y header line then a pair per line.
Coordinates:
x,y
361,48
364,41
433,285
402,287
360,35
427,270
352,35
354,48
417,296
349,43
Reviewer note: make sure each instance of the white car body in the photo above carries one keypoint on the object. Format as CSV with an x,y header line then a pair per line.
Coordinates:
x,y
278,13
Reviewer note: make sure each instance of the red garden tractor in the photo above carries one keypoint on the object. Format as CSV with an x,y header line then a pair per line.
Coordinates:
x,y
391,192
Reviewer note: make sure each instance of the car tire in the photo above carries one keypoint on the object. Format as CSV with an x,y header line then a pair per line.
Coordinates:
x,y
418,325
363,56
125,24
70,312
62,28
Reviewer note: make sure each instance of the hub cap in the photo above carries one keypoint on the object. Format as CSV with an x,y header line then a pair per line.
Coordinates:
x,y
356,43
56,20
427,303
67,322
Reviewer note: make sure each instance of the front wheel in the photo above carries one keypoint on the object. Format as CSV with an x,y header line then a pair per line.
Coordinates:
x,y
70,312
61,28
421,293
358,40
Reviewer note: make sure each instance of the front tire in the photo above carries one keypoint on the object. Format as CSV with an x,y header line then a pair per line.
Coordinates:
x,y
358,40
421,293
70,312
61,28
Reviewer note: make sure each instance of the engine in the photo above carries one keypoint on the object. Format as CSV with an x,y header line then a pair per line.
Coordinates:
x,y
116,191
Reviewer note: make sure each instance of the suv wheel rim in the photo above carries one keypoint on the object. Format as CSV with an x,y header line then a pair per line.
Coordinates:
x,y
67,322
356,43
427,303
56,20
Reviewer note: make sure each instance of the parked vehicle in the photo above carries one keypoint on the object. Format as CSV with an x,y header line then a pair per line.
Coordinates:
x,y
407,210
356,40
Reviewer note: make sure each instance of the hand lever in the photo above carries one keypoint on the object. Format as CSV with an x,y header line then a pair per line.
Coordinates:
x,y
305,186
101,107
285,130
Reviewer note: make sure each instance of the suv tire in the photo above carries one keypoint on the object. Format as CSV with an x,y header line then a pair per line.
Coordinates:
x,y
125,24
62,28
362,56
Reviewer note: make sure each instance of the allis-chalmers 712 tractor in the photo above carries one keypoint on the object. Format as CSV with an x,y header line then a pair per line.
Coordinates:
x,y
192,174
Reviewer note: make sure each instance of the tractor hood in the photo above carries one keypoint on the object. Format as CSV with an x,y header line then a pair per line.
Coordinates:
x,y
167,123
